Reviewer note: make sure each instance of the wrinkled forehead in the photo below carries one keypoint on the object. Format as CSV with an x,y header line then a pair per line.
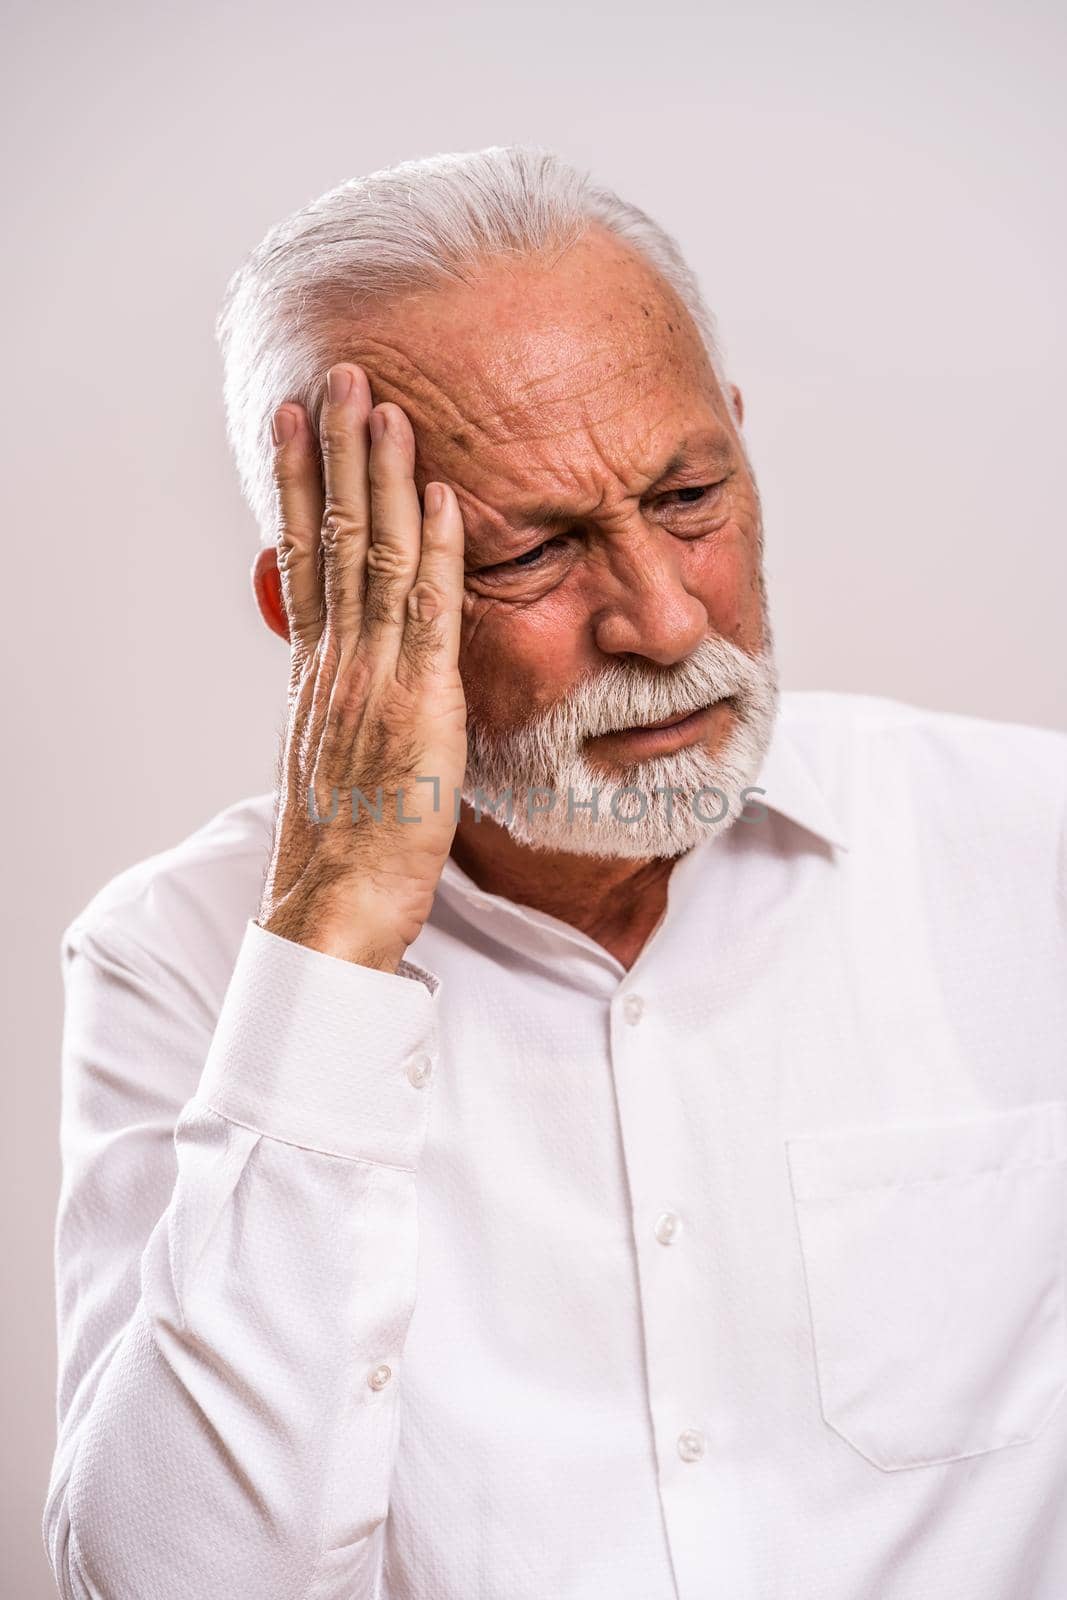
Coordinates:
x,y
589,343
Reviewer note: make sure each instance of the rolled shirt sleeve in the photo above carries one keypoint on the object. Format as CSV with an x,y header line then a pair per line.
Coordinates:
x,y
229,1365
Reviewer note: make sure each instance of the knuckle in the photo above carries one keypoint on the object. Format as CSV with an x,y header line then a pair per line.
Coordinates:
x,y
427,602
386,562
341,524
292,547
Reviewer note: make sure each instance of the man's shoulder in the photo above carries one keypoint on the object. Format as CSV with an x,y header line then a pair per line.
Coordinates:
x,y
884,764
835,729
185,907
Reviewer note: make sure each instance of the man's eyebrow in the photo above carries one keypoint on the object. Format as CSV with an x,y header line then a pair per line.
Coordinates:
x,y
712,451
716,452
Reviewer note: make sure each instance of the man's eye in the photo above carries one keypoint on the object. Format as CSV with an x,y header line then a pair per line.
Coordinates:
x,y
693,492
528,557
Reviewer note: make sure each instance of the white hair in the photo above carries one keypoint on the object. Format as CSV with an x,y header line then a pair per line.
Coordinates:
x,y
404,228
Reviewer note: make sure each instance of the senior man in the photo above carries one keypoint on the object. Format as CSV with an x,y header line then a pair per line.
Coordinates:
x,y
599,1130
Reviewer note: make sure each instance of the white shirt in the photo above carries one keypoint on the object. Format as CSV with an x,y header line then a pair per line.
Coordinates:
x,y
518,1276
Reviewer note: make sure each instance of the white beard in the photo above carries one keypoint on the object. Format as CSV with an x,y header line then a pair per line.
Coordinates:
x,y
543,758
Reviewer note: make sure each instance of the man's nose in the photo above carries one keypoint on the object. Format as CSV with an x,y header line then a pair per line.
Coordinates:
x,y
641,605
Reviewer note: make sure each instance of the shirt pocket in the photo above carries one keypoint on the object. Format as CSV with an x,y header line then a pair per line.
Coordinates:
x,y
934,1261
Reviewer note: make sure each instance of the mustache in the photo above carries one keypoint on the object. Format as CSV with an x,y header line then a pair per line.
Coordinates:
x,y
628,695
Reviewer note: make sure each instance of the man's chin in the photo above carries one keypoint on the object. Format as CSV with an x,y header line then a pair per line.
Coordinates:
x,y
661,792
616,840
650,814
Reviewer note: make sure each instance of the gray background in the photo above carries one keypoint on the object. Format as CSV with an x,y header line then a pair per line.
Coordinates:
x,y
870,196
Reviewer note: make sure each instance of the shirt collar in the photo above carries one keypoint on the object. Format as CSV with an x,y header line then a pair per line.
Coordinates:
x,y
790,788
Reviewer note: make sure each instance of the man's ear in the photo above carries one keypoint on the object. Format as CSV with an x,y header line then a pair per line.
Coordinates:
x,y
267,588
737,405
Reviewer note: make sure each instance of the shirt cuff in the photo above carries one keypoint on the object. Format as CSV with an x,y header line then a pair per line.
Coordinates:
x,y
323,1053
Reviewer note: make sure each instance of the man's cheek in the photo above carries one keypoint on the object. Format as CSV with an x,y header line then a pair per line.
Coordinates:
x,y
486,662
721,576
514,663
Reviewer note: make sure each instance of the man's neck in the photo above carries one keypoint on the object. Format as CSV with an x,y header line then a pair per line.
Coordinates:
x,y
616,902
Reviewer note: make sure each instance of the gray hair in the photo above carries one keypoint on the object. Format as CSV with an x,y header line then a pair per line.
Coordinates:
x,y
406,227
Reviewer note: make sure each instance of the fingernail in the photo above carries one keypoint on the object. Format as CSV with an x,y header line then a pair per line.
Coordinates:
x,y
435,498
377,425
338,384
283,426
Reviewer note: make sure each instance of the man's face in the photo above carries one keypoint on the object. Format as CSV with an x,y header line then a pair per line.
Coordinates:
x,y
610,514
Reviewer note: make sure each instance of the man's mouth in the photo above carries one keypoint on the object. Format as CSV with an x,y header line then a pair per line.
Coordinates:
x,y
668,722
674,721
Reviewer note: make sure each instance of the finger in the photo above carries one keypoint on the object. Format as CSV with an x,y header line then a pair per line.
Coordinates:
x,y
433,619
395,531
346,495
298,502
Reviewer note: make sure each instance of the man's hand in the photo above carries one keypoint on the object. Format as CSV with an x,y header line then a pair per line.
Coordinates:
x,y
373,590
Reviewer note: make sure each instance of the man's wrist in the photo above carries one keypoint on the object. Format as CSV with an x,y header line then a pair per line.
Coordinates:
x,y
362,934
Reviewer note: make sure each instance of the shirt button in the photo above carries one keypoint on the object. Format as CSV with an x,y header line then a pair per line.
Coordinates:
x,y
667,1225
633,1008
380,1376
419,1069
691,1444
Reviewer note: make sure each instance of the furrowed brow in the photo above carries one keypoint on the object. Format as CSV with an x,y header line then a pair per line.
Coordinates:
x,y
710,455
715,454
